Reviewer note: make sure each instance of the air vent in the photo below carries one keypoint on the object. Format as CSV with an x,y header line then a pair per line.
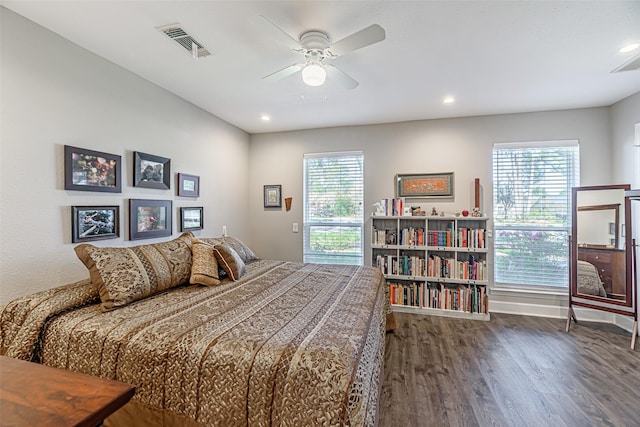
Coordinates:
x,y
191,45
632,64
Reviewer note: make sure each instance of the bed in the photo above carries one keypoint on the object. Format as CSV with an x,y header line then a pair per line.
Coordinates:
x,y
284,344
589,281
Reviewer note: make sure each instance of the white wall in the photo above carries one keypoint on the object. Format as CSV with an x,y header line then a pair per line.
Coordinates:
x,y
56,93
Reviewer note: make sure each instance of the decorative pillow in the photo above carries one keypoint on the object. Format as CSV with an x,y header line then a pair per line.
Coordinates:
x,y
246,254
204,270
589,280
124,275
230,261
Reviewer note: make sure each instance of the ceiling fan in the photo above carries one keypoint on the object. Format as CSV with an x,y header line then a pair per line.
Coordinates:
x,y
316,47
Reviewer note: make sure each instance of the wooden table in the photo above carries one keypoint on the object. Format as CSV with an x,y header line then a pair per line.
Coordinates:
x,y
36,395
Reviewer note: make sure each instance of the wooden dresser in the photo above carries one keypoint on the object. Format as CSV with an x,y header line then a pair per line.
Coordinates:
x,y
610,263
36,395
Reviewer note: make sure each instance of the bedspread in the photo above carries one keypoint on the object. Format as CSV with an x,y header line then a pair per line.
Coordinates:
x,y
287,344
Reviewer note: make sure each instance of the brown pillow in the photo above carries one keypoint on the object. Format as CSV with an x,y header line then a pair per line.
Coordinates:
x,y
230,261
246,254
204,270
124,275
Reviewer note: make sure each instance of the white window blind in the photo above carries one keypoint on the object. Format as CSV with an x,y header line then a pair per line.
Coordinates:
x,y
532,211
333,208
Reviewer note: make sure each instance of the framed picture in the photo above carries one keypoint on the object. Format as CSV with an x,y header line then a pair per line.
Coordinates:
x,y
273,196
425,185
88,170
191,219
149,218
151,171
188,185
94,223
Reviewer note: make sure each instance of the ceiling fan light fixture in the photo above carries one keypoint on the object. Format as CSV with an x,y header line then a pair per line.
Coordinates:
x,y
314,75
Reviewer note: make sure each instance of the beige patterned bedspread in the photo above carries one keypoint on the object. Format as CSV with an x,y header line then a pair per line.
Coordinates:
x,y
288,344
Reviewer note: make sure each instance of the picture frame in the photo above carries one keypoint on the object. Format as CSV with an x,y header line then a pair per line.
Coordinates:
x,y
439,186
273,196
89,170
90,223
188,185
191,218
149,219
150,171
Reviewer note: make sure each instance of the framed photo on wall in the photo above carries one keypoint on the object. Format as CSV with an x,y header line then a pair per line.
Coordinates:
x,y
94,223
89,170
188,185
273,196
425,185
151,171
149,218
191,219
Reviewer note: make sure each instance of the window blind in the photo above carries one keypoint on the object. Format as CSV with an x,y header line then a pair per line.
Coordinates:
x,y
333,208
532,211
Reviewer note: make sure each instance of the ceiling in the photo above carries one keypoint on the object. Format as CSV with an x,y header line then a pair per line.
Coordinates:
x,y
494,57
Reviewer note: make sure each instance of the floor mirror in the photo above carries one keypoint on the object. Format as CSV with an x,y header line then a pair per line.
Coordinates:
x,y
602,253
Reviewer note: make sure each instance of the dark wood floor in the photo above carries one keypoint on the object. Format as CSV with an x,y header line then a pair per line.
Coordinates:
x,y
510,371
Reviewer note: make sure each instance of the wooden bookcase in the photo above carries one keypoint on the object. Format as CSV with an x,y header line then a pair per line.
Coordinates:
x,y
434,264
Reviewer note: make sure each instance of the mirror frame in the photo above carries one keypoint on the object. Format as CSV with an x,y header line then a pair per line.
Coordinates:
x,y
573,253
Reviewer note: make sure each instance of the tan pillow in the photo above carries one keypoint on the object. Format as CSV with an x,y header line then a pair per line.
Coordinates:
x,y
204,270
124,275
230,261
246,254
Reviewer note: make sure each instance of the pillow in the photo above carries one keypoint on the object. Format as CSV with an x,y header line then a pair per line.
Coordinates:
x,y
124,275
204,270
245,253
230,261
589,280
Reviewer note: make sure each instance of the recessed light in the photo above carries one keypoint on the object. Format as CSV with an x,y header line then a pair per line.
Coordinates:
x,y
630,47
265,118
448,100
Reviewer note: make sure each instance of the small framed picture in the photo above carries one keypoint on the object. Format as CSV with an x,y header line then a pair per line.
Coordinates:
x,y
88,170
188,185
273,196
149,218
151,171
425,186
94,223
191,219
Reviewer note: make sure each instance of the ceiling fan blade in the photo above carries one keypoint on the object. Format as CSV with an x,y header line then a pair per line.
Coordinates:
x,y
286,71
335,73
276,32
370,35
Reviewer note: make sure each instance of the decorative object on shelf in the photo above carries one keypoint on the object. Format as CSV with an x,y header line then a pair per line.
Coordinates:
x,y
441,213
379,209
88,170
434,211
191,219
94,223
273,196
477,193
425,186
476,213
457,213
188,185
407,211
149,218
465,213
287,203
151,171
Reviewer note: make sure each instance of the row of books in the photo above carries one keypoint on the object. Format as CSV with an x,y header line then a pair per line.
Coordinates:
x,y
404,265
436,267
391,207
466,237
467,298
471,238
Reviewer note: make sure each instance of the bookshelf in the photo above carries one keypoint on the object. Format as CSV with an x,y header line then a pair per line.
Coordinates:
x,y
434,264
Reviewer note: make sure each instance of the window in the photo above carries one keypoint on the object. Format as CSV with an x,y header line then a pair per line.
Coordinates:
x,y
532,211
333,208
